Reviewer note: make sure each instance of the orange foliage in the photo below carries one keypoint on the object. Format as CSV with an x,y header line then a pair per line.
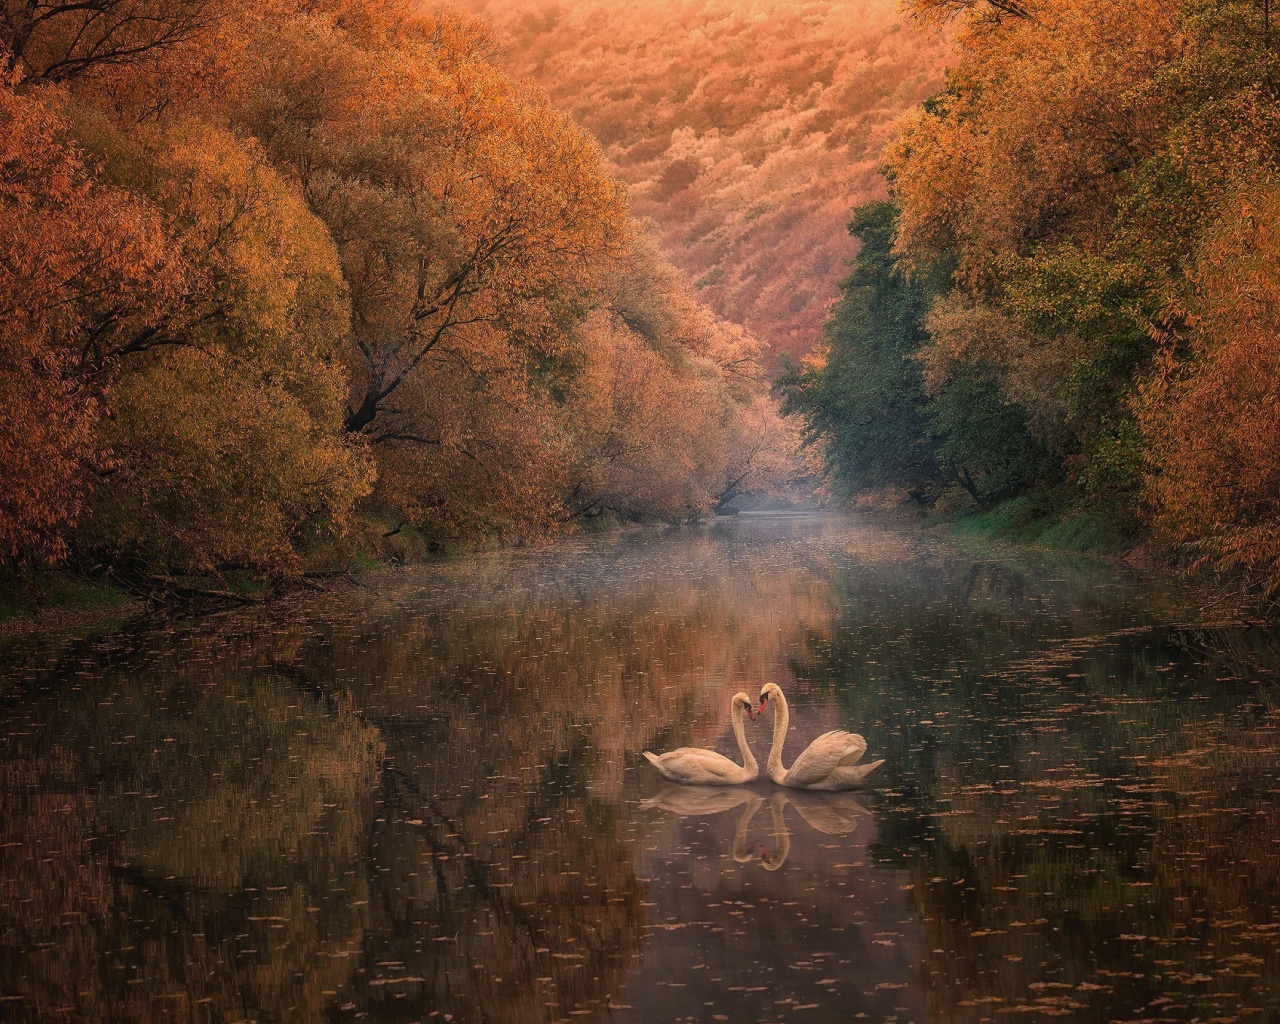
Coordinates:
x,y
1214,420
1031,138
672,413
319,253
474,226
80,265
747,131
59,40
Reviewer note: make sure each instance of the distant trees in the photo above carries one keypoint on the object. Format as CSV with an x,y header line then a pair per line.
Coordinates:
x,y
274,274
891,404
1085,213
861,392
745,130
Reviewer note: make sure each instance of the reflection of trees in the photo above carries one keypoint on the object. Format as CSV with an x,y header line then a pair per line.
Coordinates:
x,y
182,837
1158,887
505,887
407,801
235,847
1085,800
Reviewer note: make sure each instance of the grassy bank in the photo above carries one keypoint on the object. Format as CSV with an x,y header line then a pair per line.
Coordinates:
x,y
1039,520
57,597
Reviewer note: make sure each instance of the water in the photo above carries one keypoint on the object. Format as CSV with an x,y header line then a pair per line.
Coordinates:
x,y
421,798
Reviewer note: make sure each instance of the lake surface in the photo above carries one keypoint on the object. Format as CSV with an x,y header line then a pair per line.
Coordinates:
x,y
421,797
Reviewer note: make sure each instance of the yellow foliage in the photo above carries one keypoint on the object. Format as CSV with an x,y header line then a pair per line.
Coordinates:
x,y
1030,139
218,465
80,265
1028,368
1214,419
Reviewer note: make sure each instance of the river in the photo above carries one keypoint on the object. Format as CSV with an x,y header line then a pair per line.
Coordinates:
x,y
420,796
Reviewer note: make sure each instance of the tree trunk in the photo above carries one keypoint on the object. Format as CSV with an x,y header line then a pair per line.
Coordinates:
x,y
358,419
966,481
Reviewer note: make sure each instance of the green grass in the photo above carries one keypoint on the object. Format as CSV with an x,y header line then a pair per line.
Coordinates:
x,y
1036,519
54,590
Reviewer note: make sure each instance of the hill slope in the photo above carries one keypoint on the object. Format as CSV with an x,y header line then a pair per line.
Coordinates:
x,y
747,129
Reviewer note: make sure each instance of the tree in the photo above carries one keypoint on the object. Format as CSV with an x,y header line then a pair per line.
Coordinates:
x,y
59,40
474,226
744,130
1211,413
81,264
226,424
862,394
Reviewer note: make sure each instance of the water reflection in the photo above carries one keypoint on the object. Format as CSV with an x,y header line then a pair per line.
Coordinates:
x,y
424,796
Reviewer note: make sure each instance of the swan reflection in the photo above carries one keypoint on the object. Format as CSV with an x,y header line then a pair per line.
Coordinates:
x,y
833,814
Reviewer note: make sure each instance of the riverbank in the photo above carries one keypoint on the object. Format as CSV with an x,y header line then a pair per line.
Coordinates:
x,y
1043,521
58,599
1034,520
73,599
50,600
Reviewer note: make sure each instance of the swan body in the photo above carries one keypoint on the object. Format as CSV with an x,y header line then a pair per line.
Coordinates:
x,y
829,763
706,767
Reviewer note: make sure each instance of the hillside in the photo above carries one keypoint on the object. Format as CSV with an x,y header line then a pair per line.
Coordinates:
x,y
747,131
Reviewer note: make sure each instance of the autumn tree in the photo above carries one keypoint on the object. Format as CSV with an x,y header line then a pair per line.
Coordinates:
x,y
60,40
671,413
81,265
473,225
228,421
281,272
1211,413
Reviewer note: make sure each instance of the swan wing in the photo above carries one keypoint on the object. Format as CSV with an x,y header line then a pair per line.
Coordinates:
x,y
853,776
823,756
857,749
692,764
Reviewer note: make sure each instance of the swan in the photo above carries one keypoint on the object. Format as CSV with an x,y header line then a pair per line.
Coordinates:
x,y
706,767
829,763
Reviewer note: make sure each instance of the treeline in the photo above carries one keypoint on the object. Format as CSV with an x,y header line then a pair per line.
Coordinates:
x,y
1074,289
277,277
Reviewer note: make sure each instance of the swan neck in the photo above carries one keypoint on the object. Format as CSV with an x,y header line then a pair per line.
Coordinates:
x,y
781,720
748,758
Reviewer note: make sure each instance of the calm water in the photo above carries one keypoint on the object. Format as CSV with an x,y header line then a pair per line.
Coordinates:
x,y
422,797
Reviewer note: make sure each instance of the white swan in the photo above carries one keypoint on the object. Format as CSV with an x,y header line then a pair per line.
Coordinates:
x,y
829,763
706,767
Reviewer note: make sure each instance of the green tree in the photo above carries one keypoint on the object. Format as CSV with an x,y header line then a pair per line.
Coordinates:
x,y
862,394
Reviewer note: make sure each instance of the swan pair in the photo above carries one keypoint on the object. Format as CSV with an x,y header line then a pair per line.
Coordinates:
x,y
829,763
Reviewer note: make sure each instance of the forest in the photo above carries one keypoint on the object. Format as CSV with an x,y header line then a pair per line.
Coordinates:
x,y
746,130
287,285
284,281
1067,308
